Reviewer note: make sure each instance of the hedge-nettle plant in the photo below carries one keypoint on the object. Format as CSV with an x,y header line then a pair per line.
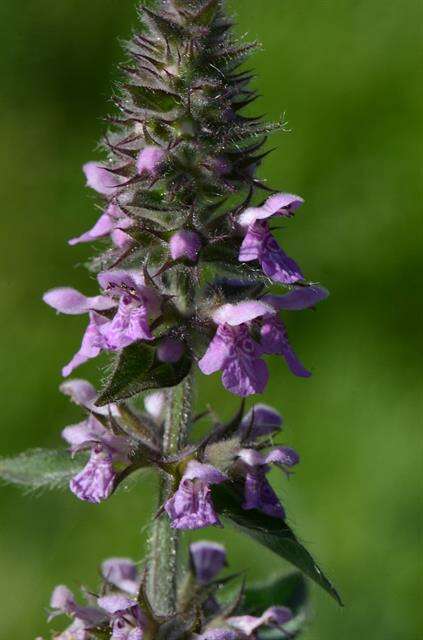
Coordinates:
x,y
192,277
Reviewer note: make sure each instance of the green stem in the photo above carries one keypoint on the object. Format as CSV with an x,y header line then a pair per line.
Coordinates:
x,y
164,541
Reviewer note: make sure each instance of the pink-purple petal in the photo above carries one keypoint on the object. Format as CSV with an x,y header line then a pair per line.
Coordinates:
x,y
298,299
72,302
241,312
93,343
281,204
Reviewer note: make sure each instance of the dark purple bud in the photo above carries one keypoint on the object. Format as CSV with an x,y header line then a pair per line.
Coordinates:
x,y
170,350
261,420
208,560
100,179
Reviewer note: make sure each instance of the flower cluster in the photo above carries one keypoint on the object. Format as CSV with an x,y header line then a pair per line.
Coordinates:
x,y
243,464
121,610
127,307
243,460
191,275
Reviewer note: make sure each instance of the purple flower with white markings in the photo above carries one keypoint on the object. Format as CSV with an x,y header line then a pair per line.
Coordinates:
x,y
135,304
259,244
234,351
191,507
258,493
127,621
96,481
207,559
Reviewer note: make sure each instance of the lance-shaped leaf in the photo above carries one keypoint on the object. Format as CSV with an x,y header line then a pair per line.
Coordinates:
x,y
40,468
137,370
272,533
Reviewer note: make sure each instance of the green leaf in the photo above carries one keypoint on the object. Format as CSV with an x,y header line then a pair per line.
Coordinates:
x,y
272,533
153,99
137,370
129,373
40,468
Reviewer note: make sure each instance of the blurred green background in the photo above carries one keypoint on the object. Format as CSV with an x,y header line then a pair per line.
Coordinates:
x,y
347,74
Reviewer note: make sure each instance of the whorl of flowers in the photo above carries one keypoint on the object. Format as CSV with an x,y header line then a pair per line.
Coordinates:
x,y
191,276
121,609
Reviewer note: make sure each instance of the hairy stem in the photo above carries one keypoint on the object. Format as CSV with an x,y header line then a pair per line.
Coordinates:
x,y
164,541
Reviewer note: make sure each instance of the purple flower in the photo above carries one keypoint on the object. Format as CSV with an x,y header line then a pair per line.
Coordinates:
x,y
208,560
261,420
91,431
136,303
258,492
191,507
273,617
259,244
234,352
112,220
100,179
150,159
121,573
274,340
96,481
185,244
126,618
170,350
